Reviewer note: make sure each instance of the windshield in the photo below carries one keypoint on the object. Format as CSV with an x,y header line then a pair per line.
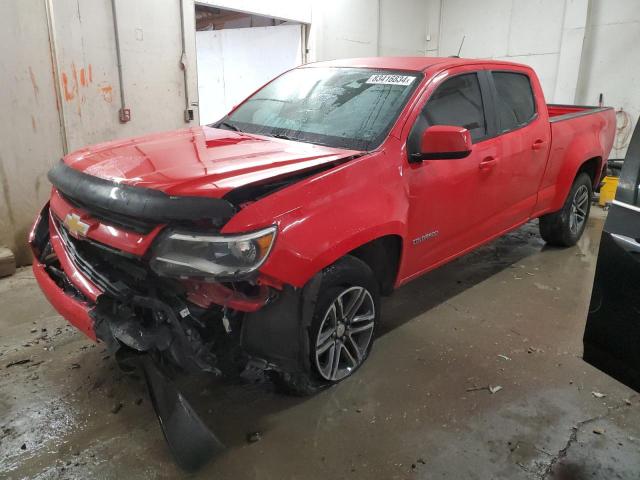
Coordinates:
x,y
340,107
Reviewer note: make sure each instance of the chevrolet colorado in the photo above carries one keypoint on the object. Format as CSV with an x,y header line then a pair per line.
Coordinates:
x,y
268,238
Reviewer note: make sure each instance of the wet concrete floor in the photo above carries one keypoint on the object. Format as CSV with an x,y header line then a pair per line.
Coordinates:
x,y
511,315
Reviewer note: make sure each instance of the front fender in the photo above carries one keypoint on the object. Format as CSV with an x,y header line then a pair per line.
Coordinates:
x,y
297,258
323,218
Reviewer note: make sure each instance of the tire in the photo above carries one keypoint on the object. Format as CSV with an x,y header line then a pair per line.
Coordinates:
x,y
565,227
334,334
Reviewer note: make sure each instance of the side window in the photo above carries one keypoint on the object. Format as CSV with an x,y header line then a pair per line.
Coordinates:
x,y
514,103
458,102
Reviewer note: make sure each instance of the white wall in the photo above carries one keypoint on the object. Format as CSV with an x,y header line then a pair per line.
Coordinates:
x,y
611,60
230,68
403,26
364,28
343,29
546,34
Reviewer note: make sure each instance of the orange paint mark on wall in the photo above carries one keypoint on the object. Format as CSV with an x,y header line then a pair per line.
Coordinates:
x,y
74,72
68,94
107,93
36,90
71,83
33,123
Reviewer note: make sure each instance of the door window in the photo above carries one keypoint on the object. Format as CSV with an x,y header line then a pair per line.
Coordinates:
x,y
457,102
515,103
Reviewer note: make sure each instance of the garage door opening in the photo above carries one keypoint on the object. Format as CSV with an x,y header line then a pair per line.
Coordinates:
x,y
230,67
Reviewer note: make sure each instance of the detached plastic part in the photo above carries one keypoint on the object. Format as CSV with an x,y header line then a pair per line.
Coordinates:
x,y
191,443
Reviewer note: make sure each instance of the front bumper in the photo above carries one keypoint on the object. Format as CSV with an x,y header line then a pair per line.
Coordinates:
x,y
113,297
71,293
75,312
104,307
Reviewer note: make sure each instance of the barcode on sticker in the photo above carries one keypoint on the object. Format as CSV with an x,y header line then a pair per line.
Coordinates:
x,y
385,79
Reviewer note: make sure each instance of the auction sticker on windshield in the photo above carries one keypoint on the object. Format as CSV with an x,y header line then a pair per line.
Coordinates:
x,y
385,79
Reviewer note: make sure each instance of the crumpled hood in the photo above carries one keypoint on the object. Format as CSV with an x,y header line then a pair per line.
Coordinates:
x,y
200,161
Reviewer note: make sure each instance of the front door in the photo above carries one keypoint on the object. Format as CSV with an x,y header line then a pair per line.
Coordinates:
x,y
612,334
453,203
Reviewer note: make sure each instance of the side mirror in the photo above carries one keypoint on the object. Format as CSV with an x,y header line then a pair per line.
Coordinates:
x,y
444,142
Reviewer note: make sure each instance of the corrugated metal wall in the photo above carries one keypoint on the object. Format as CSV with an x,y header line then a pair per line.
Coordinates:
x,y
60,87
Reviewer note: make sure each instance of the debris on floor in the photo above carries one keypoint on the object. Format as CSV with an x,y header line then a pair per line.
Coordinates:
x,y
18,362
491,389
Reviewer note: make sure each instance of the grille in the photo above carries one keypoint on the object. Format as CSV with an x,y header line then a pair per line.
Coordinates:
x,y
114,272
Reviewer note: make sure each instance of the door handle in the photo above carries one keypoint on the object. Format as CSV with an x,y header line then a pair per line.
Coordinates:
x,y
488,163
538,144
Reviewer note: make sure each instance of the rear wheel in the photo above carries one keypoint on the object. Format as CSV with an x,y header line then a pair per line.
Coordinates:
x,y
342,329
565,227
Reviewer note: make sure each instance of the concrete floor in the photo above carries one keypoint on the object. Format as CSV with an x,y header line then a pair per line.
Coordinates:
x,y
511,315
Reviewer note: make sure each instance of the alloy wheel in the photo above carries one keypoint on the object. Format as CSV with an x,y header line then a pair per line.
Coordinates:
x,y
345,333
579,206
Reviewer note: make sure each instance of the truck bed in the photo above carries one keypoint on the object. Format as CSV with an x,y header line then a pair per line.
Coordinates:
x,y
578,134
559,112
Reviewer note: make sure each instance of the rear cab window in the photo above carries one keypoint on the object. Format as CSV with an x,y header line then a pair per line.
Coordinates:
x,y
515,102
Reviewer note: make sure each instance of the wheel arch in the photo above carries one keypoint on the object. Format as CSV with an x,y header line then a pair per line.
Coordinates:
x,y
593,168
382,255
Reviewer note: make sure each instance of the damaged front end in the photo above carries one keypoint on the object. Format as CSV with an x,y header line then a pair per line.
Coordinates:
x,y
179,306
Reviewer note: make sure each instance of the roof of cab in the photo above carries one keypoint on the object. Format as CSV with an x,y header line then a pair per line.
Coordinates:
x,y
418,64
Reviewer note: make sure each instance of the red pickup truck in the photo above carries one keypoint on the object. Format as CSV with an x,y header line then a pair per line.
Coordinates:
x,y
268,238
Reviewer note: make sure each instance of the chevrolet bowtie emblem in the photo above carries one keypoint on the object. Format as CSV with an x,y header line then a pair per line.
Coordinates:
x,y
75,225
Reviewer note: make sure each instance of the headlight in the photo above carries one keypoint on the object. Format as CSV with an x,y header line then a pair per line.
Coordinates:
x,y
182,254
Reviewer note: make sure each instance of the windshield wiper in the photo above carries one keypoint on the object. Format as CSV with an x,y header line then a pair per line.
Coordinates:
x,y
230,126
284,137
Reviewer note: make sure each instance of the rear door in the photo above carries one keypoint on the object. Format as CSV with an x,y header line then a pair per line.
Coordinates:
x,y
524,133
612,334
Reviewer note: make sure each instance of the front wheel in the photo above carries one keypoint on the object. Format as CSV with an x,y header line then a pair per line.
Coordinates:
x,y
565,227
343,338
342,329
